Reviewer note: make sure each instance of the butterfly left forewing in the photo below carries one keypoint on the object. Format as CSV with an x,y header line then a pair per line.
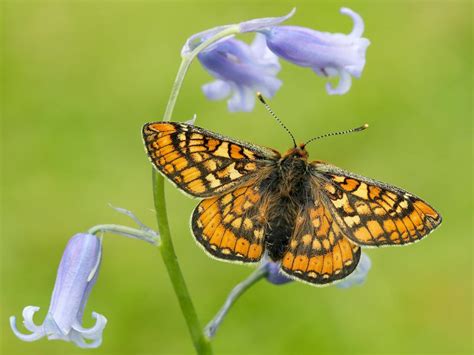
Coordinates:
x,y
202,163
373,213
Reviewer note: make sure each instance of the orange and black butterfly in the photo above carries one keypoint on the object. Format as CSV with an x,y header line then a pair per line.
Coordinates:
x,y
310,216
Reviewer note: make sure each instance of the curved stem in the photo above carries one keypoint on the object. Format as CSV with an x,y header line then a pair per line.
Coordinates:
x,y
146,235
201,343
186,62
183,68
236,292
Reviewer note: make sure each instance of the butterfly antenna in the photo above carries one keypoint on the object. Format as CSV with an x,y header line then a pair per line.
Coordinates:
x,y
262,100
357,129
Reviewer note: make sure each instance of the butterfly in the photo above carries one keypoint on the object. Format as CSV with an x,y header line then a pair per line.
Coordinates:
x,y
310,216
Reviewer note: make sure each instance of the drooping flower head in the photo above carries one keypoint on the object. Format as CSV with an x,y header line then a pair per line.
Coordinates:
x,y
328,54
77,274
241,70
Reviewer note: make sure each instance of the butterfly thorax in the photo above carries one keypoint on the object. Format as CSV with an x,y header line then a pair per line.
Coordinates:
x,y
290,187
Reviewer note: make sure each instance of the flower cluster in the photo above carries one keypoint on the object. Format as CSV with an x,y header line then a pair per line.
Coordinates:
x,y
242,70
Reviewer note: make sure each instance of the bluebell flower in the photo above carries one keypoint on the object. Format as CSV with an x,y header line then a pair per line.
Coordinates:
x,y
241,71
359,275
328,54
77,273
274,275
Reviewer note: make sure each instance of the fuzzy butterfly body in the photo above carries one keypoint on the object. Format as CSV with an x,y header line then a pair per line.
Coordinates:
x,y
310,216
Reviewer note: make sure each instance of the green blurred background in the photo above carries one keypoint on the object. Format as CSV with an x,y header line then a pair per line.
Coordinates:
x,y
81,77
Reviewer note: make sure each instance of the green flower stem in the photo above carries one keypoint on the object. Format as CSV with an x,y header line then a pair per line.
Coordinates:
x,y
236,292
170,259
146,235
201,343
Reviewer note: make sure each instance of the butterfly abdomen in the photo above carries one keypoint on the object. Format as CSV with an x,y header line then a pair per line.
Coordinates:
x,y
291,186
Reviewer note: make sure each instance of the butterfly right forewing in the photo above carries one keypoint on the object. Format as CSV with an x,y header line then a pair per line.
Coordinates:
x,y
373,213
202,163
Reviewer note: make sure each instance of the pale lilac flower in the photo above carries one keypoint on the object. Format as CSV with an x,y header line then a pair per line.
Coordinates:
x,y
328,54
241,71
274,275
359,275
77,273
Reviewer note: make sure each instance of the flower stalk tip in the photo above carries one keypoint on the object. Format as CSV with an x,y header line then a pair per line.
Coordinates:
x,y
145,233
261,23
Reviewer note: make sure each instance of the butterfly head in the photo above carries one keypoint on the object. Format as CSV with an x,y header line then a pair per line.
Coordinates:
x,y
299,152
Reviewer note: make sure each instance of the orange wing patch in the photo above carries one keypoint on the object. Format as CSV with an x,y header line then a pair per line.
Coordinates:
x,y
372,213
323,269
200,162
319,252
231,227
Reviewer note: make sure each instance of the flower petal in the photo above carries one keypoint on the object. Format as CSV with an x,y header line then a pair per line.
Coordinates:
x,y
95,330
37,331
79,340
242,70
217,90
260,23
52,329
358,29
28,313
77,272
274,275
264,55
270,87
359,275
343,86
243,99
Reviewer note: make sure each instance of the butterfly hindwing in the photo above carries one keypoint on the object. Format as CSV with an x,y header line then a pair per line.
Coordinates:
x,y
373,213
200,162
318,251
229,227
